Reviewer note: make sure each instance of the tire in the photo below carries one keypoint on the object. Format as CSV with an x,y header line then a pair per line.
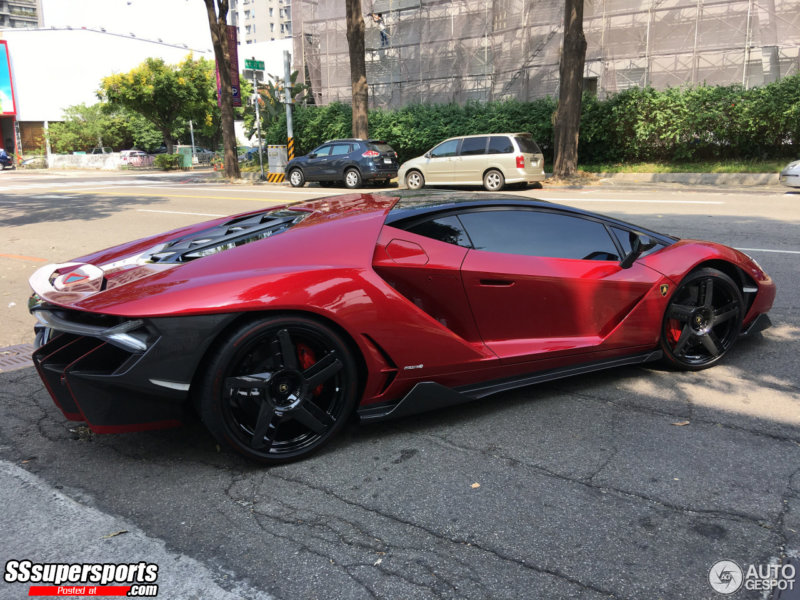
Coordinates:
x,y
296,178
493,181
352,179
702,320
278,389
415,180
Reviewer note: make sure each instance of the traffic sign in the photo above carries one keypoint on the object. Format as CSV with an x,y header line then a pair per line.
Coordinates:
x,y
252,63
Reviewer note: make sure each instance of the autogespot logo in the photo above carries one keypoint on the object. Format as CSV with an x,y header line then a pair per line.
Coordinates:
x,y
725,577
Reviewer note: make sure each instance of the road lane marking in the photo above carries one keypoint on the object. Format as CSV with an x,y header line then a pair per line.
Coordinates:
x,y
177,212
768,250
620,200
20,257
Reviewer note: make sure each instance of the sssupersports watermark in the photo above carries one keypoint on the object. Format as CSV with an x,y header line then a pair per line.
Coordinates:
x,y
84,579
727,577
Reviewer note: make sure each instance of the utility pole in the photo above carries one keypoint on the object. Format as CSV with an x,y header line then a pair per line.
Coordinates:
x,y
258,126
287,84
257,69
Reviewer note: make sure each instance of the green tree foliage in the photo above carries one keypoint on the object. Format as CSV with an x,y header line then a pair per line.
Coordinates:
x,y
165,95
272,102
85,127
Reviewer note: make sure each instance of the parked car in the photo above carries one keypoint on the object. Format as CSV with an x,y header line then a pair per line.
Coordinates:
x,y
135,158
491,160
351,161
790,176
279,324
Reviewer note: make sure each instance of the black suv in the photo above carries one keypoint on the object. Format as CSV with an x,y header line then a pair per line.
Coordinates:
x,y
350,161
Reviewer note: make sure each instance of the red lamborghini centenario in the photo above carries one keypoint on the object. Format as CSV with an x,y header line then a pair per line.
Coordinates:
x,y
277,325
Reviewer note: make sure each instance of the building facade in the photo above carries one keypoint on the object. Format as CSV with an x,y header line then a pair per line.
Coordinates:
x,y
462,50
16,14
261,20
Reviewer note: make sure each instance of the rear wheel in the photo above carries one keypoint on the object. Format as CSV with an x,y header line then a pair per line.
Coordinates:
x,y
702,320
279,388
415,180
493,180
352,178
296,178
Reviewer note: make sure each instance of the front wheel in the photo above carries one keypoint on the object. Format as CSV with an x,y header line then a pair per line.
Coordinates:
x,y
415,180
702,320
493,181
279,388
296,178
352,179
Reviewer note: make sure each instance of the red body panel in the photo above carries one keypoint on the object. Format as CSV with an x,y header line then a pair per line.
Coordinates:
x,y
418,309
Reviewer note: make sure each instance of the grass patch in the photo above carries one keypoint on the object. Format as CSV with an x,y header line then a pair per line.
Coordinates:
x,y
722,166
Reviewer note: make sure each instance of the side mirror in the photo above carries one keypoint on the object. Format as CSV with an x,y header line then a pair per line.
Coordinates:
x,y
312,155
639,245
427,154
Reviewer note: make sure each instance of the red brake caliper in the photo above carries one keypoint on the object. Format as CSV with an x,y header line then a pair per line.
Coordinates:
x,y
306,357
674,331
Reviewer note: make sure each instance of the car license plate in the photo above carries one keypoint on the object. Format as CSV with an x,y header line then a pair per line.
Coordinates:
x,y
387,161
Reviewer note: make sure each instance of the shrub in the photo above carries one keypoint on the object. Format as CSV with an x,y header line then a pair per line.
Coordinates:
x,y
167,162
637,124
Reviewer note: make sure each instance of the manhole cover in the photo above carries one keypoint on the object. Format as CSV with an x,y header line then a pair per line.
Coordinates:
x,y
16,357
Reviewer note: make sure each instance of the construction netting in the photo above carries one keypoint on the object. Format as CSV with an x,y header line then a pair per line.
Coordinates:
x,y
441,51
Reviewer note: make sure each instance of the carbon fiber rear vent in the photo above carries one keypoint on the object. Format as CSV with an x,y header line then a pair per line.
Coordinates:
x,y
236,232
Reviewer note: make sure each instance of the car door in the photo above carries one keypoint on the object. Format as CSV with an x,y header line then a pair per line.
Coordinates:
x,y
439,168
470,163
544,282
340,158
317,164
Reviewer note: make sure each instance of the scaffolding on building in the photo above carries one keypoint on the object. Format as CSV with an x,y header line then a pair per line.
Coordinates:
x,y
443,51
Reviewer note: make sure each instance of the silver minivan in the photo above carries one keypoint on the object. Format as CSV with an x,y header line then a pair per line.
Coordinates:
x,y
491,160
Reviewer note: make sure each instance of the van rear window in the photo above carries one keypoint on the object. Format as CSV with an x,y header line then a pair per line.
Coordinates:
x,y
500,144
527,145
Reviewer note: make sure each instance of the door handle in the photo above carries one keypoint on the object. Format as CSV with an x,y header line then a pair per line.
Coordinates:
x,y
497,282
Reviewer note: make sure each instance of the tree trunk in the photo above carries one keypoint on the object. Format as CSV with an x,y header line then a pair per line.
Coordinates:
x,y
218,22
358,68
570,88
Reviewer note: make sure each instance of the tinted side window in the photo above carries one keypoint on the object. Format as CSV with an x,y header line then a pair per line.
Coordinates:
x,y
500,144
444,229
534,233
447,148
323,151
339,149
527,145
625,239
473,146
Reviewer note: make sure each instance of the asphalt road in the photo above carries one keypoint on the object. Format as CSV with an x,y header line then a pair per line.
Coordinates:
x,y
630,483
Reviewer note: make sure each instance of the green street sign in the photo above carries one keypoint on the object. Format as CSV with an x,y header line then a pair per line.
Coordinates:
x,y
251,63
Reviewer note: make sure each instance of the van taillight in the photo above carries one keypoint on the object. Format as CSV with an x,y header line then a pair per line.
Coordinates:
x,y
520,162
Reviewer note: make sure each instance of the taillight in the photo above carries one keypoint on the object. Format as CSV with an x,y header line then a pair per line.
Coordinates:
x,y
520,162
371,154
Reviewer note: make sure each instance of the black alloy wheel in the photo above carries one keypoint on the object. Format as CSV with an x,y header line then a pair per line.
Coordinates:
x,y
279,388
702,320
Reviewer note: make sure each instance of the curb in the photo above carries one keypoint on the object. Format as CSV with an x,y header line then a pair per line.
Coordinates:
x,y
725,179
